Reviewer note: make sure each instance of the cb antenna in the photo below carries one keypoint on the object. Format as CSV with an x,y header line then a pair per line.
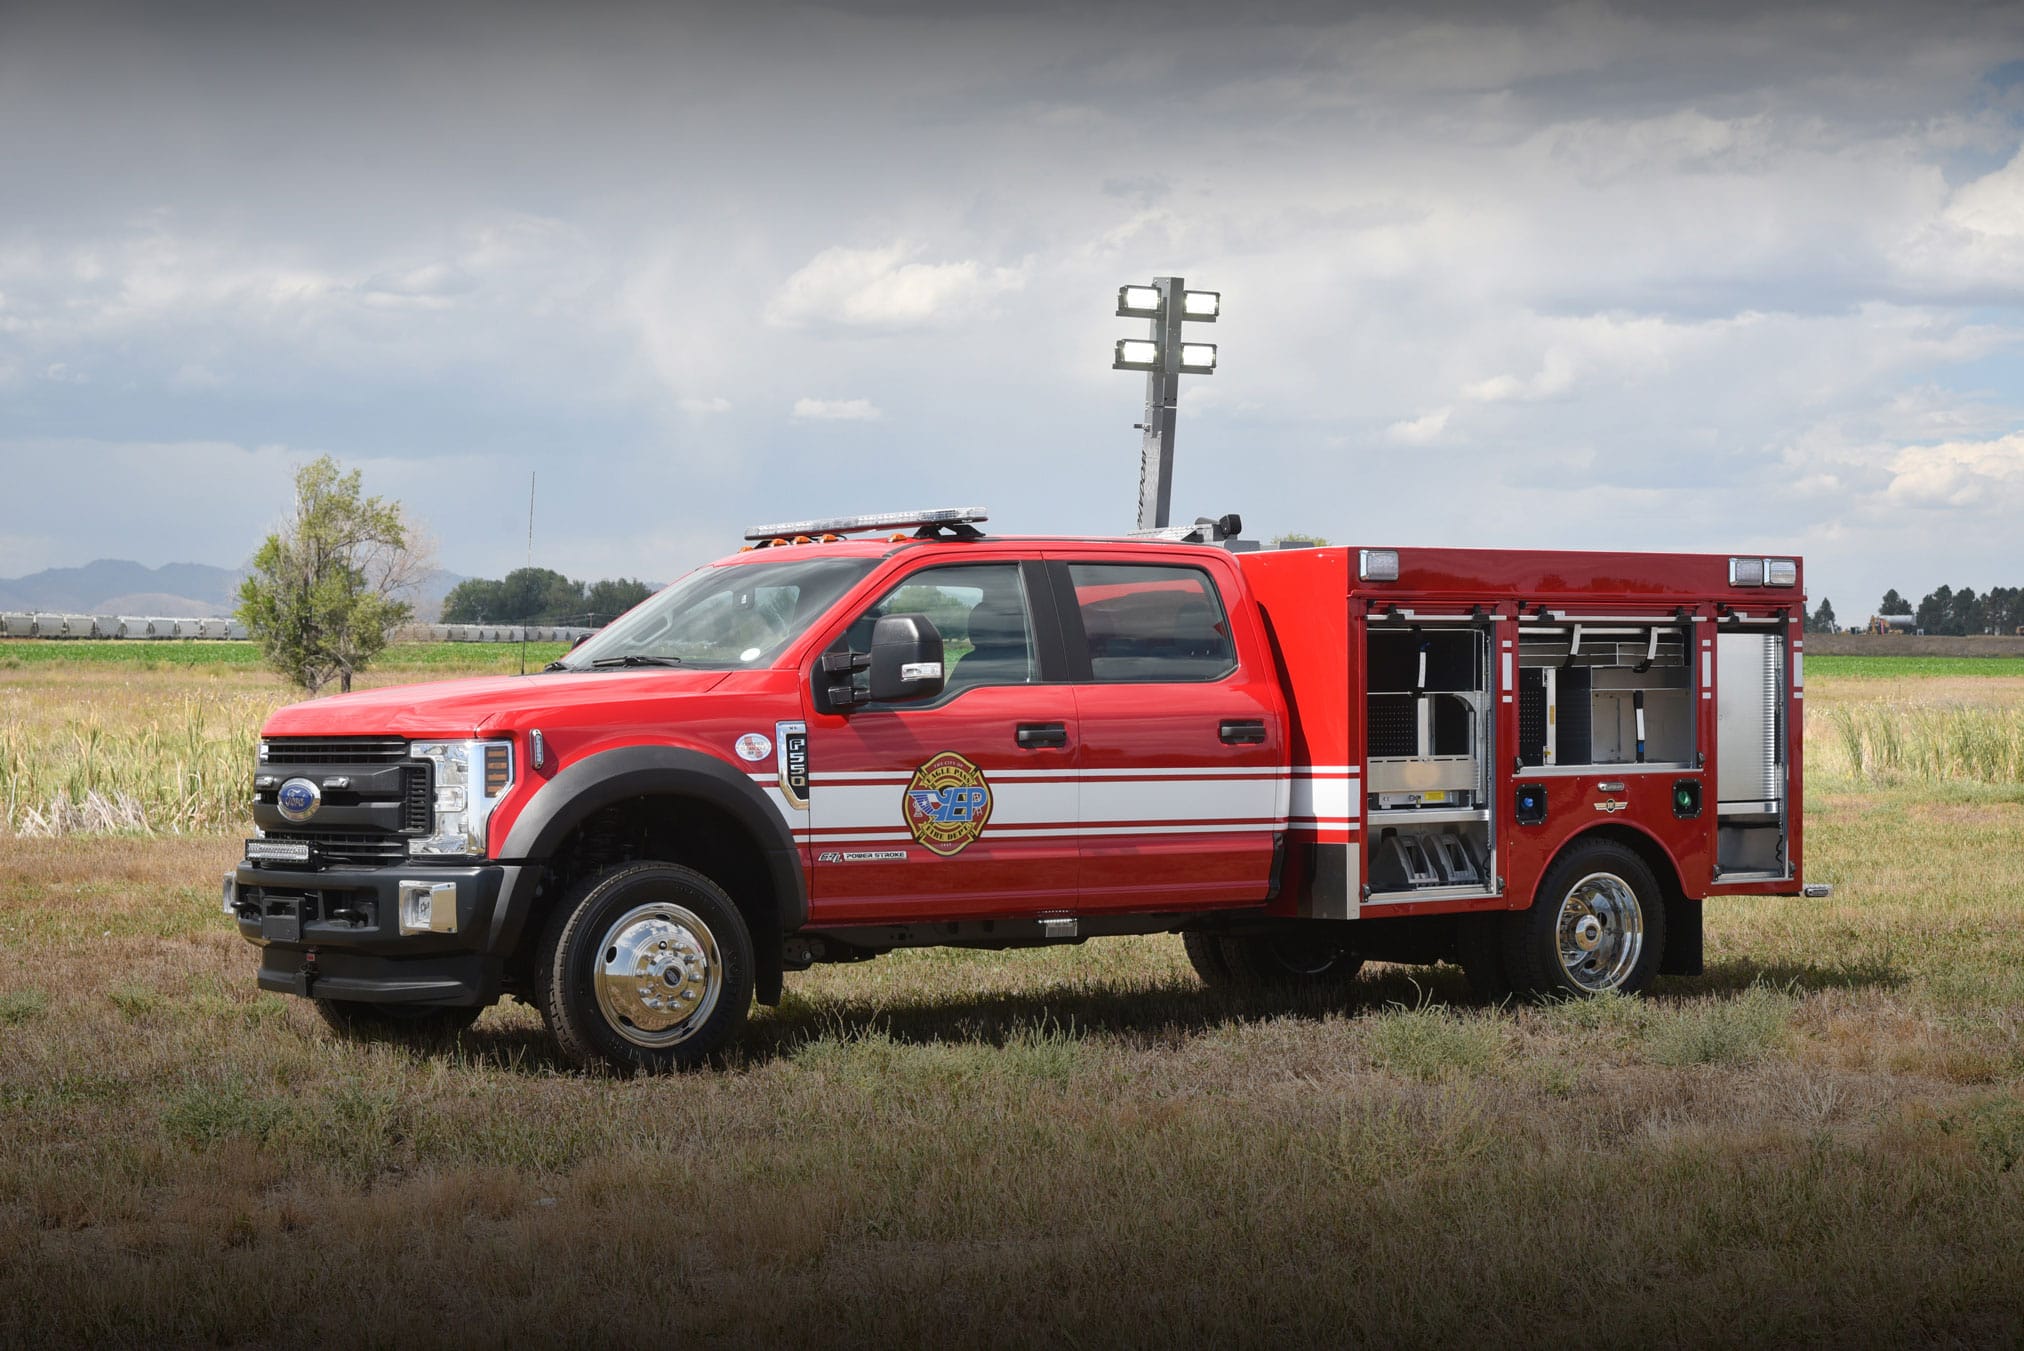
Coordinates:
x,y
530,564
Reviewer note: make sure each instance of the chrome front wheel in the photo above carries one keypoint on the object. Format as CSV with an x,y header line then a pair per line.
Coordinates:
x,y
658,975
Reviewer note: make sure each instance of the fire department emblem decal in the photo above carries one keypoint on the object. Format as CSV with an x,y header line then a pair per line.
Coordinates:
x,y
947,804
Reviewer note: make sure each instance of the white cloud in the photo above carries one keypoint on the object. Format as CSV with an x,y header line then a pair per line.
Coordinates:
x,y
882,289
1961,474
836,410
1421,430
703,407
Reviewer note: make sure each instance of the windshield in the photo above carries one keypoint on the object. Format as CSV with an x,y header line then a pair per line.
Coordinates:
x,y
722,618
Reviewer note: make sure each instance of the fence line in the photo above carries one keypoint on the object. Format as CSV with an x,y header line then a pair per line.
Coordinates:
x,y
26,624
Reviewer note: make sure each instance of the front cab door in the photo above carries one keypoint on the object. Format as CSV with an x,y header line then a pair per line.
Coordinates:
x,y
965,804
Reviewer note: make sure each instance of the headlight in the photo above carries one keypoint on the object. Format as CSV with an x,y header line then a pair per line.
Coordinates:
x,y
470,777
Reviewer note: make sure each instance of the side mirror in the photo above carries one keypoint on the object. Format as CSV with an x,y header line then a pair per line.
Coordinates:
x,y
906,659
905,662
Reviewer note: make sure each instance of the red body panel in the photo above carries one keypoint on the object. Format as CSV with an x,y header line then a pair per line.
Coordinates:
x,y
1147,807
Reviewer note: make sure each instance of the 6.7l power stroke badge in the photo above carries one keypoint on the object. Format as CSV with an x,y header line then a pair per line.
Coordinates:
x,y
947,804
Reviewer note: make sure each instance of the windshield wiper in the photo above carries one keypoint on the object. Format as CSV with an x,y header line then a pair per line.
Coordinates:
x,y
557,666
634,659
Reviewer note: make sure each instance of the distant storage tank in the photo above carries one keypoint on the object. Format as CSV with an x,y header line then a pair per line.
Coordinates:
x,y
104,626
133,626
17,625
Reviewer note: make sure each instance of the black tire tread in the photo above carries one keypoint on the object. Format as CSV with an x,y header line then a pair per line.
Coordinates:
x,y
1246,962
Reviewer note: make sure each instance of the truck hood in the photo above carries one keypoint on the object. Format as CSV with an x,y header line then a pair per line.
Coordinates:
x,y
462,708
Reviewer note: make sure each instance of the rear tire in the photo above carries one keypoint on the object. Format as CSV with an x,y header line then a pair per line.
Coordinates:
x,y
1597,925
358,1020
646,966
1258,961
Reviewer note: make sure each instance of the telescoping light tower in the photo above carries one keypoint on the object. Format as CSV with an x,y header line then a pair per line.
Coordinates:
x,y
1165,358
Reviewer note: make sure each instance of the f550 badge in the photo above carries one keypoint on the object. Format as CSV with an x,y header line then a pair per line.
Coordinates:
x,y
947,804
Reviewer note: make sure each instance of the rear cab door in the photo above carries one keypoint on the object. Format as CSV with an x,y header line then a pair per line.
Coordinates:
x,y
1184,773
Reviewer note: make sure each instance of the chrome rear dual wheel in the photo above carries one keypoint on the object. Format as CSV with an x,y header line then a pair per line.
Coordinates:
x,y
1596,926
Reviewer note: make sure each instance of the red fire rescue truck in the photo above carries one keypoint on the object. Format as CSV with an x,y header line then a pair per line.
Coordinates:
x,y
893,731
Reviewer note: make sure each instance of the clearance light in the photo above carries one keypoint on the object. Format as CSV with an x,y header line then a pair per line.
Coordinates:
x,y
1377,565
1781,572
1138,302
1746,572
1202,306
1136,354
1198,358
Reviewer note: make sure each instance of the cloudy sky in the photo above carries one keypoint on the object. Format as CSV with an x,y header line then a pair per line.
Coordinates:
x,y
1591,275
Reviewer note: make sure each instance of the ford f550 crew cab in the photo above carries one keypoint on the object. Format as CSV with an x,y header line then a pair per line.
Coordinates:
x,y
1536,764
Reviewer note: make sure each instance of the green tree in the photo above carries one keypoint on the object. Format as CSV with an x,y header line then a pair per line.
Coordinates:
x,y
1936,611
537,596
325,593
475,600
607,600
1823,618
1964,614
1894,604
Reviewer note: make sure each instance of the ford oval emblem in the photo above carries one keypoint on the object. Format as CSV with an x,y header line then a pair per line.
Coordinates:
x,y
299,799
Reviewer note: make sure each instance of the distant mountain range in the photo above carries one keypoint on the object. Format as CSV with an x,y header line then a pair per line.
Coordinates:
x,y
119,586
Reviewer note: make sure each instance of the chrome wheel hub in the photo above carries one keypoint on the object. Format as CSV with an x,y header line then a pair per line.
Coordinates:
x,y
1600,932
658,974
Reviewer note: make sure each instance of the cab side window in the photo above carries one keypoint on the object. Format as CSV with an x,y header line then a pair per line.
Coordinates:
x,y
981,611
1152,623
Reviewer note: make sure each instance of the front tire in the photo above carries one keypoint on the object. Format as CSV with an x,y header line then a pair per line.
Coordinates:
x,y
1597,925
646,966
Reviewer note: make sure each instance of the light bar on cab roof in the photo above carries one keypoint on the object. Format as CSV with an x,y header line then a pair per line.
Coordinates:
x,y
884,520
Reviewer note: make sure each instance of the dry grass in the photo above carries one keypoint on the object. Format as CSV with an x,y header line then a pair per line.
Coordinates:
x,y
1818,1141
121,744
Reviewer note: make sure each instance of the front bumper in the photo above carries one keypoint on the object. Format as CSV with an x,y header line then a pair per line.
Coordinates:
x,y
335,933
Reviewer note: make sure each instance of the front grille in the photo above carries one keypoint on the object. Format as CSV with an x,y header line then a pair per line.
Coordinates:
x,y
333,846
336,750
376,798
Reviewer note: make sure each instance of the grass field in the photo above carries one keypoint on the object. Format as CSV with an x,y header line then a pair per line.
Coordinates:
x,y
1819,1141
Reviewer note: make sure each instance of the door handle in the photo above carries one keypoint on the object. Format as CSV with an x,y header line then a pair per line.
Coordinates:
x,y
1242,732
1035,735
